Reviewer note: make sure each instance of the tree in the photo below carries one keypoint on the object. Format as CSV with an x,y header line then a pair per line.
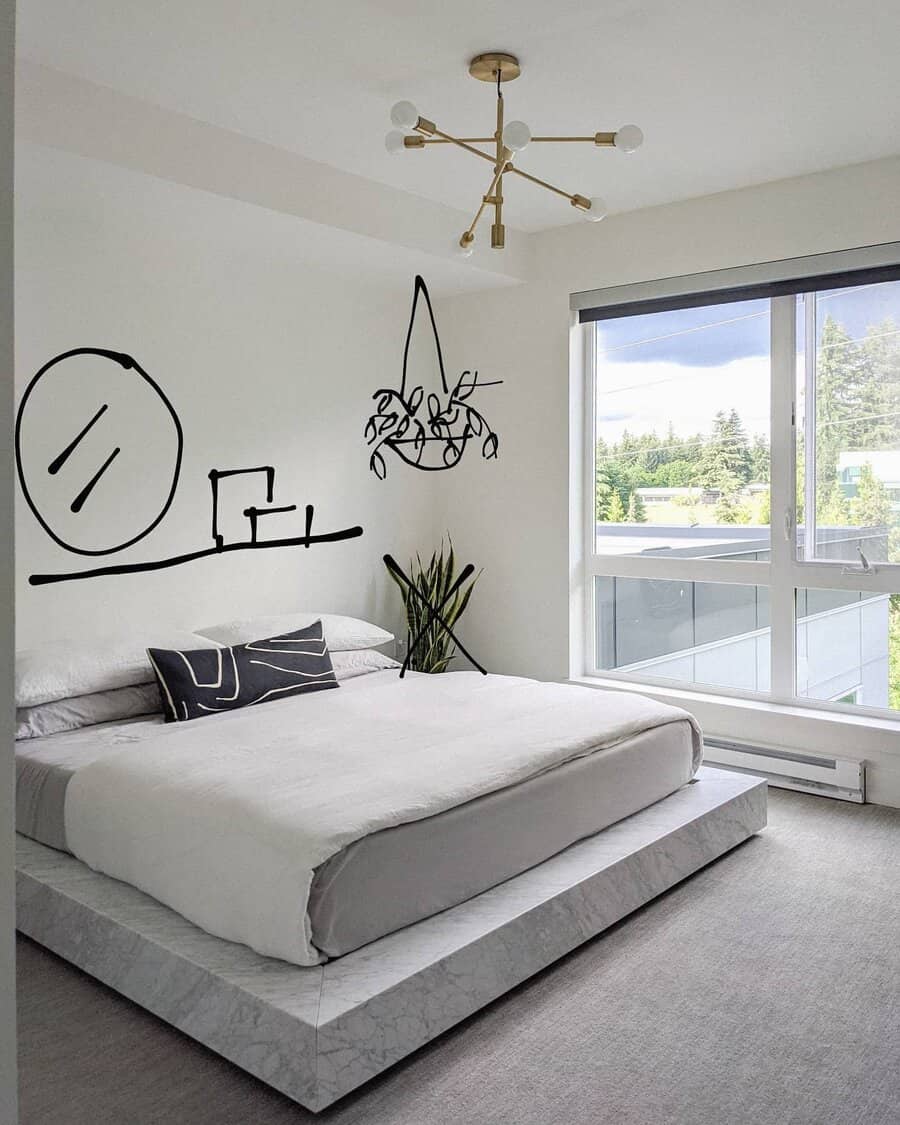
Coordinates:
x,y
882,349
727,510
849,401
760,460
834,511
637,512
871,506
615,513
894,649
725,461
764,510
611,481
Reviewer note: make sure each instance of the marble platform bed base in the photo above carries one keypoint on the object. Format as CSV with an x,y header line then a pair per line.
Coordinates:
x,y
317,1033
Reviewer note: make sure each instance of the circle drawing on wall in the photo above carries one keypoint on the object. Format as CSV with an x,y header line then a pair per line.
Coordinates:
x,y
98,450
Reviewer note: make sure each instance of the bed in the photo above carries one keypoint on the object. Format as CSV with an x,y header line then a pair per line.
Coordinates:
x,y
364,839
442,788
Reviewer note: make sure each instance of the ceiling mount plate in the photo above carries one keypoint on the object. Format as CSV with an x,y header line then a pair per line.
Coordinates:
x,y
484,67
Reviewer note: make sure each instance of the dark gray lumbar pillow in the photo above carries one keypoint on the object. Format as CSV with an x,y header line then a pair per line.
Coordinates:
x,y
201,681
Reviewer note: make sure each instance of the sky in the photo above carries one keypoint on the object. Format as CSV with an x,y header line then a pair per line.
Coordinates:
x,y
684,366
646,397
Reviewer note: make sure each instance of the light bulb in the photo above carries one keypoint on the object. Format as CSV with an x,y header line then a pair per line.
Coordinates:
x,y
628,138
597,210
516,135
404,115
393,142
466,247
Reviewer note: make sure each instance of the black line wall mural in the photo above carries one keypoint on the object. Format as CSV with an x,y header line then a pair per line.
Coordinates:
x,y
429,432
105,427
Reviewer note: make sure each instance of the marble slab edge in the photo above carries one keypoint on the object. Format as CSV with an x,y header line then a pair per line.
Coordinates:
x,y
315,1034
256,1012
514,931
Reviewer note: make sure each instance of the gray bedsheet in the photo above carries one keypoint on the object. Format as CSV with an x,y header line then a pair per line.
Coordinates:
x,y
393,878
401,875
45,765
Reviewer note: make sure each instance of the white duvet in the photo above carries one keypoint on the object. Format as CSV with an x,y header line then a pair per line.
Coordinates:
x,y
224,819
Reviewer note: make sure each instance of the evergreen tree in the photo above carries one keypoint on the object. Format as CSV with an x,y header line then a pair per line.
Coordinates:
x,y
615,513
835,511
602,497
651,453
849,400
727,510
725,462
743,458
882,347
637,512
871,506
760,457
894,649
692,449
764,511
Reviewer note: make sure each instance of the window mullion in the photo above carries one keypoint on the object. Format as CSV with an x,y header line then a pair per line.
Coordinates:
x,y
809,427
783,495
589,492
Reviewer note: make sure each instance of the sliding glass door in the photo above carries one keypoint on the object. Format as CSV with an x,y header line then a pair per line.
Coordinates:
x,y
743,495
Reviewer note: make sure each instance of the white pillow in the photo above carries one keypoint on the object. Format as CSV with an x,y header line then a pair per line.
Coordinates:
x,y
87,710
362,660
66,668
342,634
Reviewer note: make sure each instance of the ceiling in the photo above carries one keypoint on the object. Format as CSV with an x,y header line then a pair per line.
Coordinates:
x,y
728,94
100,201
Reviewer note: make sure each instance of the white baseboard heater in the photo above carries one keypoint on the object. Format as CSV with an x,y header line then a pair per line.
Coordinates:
x,y
841,778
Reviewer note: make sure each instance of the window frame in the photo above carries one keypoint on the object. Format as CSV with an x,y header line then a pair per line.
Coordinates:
x,y
784,573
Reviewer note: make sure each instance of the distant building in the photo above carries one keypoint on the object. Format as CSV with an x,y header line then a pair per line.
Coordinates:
x,y
667,495
885,464
652,495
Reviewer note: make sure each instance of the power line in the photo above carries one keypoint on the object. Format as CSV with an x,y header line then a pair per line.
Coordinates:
x,y
675,449
846,292
684,332
857,418
858,340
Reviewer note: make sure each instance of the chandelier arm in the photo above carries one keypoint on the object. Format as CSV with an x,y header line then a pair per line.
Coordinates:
x,y
602,140
421,141
486,198
573,199
464,145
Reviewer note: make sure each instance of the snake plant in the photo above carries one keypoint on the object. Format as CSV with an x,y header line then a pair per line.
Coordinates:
x,y
432,588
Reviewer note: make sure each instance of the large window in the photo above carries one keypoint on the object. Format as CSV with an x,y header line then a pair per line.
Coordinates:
x,y
743,490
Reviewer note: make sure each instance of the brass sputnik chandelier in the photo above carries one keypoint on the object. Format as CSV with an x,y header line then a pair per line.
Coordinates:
x,y
413,131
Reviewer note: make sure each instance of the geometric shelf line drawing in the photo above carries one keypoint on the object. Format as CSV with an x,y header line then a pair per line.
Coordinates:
x,y
93,441
428,432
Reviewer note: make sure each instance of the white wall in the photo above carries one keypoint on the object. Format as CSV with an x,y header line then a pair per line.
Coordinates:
x,y
7,803
267,361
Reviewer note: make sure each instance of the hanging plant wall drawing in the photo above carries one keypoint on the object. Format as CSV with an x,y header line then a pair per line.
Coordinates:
x,y
428,431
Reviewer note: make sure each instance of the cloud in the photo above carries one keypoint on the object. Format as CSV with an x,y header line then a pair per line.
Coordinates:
x,y
650,396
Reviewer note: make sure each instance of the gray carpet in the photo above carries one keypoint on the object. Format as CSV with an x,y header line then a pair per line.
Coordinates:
x,y
764,990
